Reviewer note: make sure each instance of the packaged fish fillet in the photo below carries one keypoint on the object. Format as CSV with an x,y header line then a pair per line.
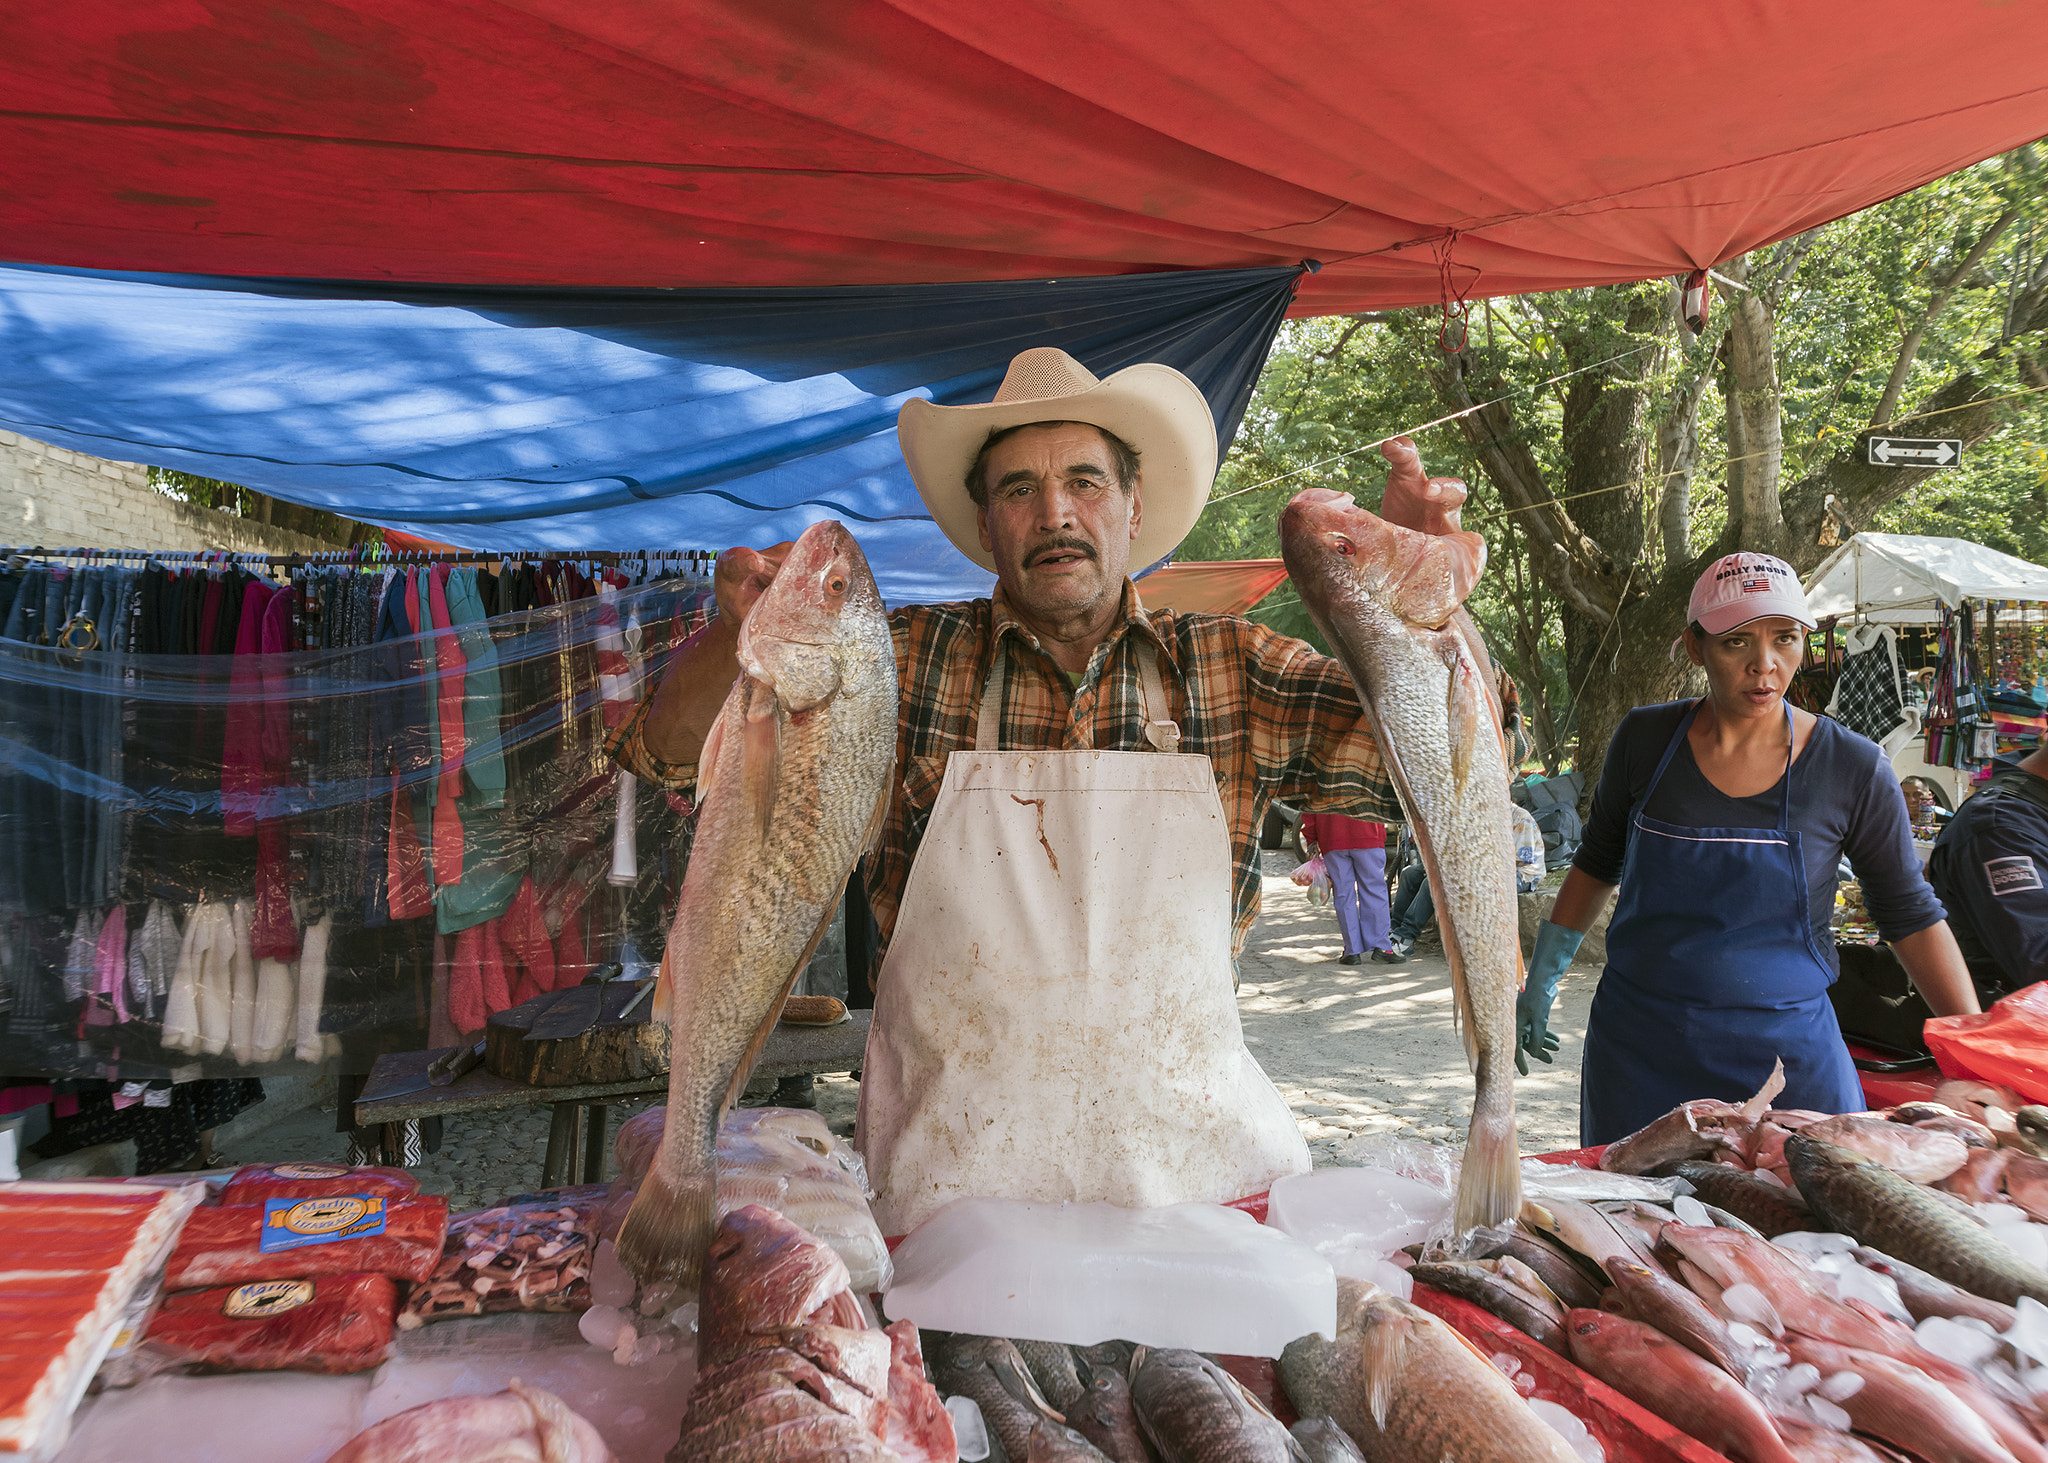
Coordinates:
x,y
256,1182
292,1239
787,1160
331,1323
533,1256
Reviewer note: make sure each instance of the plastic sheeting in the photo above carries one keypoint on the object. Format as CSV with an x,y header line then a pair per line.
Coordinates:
x,y
1904,579
508,419
784,142
230,864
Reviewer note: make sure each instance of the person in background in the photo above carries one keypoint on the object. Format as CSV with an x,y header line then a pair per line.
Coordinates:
x,y
1989,868
1722,821
1414,905
1355,856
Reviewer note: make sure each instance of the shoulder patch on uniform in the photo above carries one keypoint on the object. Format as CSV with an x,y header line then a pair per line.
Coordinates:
x,y
2014,874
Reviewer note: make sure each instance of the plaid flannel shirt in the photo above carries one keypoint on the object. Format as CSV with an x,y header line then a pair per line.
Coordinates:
x,y
1275,719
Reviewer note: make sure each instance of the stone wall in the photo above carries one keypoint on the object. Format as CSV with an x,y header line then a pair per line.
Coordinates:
x,y
54,498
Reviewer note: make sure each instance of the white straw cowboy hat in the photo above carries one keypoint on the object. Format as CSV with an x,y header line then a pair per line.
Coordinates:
x,y
1153,407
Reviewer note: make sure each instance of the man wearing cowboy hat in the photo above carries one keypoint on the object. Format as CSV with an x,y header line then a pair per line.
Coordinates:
x,y
1071,862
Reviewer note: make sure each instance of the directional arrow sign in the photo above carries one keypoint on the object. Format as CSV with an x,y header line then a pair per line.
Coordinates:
x,y
1916,451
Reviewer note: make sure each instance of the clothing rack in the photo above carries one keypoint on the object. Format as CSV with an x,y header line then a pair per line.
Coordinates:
x,y
363,554
693,562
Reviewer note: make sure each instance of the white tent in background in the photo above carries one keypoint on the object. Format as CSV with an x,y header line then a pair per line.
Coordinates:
x,y
1902,579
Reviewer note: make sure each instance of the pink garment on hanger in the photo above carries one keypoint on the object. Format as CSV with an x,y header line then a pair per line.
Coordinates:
x,y
449,666
241,763
497,992
572,945
109,1003
523,931
274,933
466,1008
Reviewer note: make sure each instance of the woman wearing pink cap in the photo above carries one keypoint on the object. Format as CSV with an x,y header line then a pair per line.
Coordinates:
x,y
1723,821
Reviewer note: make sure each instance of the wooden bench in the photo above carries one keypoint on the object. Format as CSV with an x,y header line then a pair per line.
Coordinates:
x,y
397,1091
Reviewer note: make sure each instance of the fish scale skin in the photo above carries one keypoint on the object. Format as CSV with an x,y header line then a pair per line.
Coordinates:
x,y
1405,675
753,899
1193,1413
1898,1217
1447,1401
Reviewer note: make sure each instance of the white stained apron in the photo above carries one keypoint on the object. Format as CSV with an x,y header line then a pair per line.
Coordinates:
x,y
1055,1018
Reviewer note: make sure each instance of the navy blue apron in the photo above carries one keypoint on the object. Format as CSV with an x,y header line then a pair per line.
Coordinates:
x,y
1712,974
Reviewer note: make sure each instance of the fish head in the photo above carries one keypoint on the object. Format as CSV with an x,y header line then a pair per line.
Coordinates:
x,y
1812,1159
1343,556
801,636
771,1273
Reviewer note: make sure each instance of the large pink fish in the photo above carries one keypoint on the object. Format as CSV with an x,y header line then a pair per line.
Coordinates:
x,y
1390,602
793,781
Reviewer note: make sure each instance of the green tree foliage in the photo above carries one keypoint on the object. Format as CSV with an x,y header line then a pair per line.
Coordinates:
x,y
1612,453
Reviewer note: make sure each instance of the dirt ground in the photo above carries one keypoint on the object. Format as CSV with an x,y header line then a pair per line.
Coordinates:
x,y
1370,1048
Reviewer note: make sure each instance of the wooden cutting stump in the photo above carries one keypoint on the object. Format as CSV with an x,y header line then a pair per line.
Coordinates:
x,y
611,1051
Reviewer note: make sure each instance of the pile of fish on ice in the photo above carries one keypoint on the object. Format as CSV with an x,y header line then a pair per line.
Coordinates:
x,y
1867,1286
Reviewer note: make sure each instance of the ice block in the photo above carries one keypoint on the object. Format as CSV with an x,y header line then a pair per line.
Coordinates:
x,y
1355,1217
1190,1275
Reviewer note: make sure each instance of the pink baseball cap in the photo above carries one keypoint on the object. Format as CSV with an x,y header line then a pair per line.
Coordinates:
x,y
1744,587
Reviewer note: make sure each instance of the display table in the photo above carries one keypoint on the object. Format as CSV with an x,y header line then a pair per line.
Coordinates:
x,y
397,1091
297,1417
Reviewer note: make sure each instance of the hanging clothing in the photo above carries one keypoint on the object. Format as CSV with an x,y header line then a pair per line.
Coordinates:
x,y
1870,697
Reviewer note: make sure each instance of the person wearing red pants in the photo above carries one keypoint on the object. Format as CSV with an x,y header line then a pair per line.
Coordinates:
x,y
1355,854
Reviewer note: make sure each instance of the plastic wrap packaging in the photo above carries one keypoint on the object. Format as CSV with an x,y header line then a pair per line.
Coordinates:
x,y
292,1239
79,1254
533,1256
331,1323
2007,1045
787,1160
256,1182
260,826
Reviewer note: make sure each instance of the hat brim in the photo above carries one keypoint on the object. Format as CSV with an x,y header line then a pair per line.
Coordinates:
x,y
1736,616
1155,408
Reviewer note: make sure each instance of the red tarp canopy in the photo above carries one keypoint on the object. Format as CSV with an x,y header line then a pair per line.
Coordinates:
x,y
793,142
1211,586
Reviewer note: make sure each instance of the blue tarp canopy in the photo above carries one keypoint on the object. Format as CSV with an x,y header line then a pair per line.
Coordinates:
x,y
587,418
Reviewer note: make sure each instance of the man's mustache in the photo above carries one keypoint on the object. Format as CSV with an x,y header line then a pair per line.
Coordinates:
x,y
1060,546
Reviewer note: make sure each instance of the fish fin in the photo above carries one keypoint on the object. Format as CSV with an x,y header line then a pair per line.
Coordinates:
x,y
1229,1387
668,1229
1013,1375
1382,1358
657,1004
1490,1178
759,1039
707,758
872,839
1466,708
761,754
1760,1104
1434,574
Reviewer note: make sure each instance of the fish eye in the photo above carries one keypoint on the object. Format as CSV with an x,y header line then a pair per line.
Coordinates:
x,y
1344,546
837,584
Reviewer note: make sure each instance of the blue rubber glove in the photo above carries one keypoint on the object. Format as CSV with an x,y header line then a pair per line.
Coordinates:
x,y
1555,947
